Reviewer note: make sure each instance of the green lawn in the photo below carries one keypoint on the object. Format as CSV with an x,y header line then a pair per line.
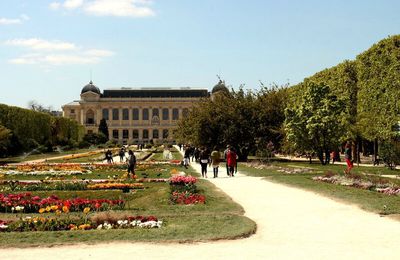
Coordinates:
x,y
365,199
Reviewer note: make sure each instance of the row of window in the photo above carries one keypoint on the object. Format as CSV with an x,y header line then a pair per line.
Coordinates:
x,y
145,113
145,134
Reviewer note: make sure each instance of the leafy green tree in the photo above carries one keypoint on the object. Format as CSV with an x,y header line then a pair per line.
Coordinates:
x,y
5,136
312,125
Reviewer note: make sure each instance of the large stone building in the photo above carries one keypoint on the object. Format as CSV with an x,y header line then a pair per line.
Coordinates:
x,y
133,115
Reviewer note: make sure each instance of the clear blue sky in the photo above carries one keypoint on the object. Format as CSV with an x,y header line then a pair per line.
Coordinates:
x,y
48,48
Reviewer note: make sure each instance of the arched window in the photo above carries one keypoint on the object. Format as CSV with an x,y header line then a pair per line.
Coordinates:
x,y
115,114
175,114
135,114
145,134
135,134
165,114
90,117
145,115
125,114
106,114
155,134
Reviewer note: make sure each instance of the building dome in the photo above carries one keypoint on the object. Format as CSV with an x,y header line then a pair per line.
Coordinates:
x,y
90,87
220,87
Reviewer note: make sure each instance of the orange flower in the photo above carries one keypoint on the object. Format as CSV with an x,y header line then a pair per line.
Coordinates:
x,y
41,210
65,209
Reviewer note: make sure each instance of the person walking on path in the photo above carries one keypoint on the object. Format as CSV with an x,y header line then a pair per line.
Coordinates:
x,y
109,157
186,157
204,160
121,154
215,159
226,159
231,161
131,164
348,158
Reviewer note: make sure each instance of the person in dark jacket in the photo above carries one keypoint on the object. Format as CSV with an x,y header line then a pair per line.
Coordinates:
x,y
131,164
204,160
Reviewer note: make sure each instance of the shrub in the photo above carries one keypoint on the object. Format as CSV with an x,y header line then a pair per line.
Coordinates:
x,y
390,153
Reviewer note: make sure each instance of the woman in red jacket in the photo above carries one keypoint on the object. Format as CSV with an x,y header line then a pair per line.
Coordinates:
x,y
231,161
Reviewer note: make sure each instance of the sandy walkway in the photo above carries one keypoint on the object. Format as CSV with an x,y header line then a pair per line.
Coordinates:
x,y
291,223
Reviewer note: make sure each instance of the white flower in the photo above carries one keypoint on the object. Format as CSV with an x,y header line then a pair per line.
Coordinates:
x,y
2,226
99,226
19,208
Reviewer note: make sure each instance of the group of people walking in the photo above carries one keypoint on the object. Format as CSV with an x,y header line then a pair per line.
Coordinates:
x,y
130,160
213,159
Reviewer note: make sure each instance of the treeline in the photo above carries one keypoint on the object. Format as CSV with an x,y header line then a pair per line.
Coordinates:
x,y
246,120
23,130
356,101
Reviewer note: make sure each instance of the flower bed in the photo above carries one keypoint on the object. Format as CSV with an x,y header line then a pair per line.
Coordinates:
x,y
357,182
115,186
187,198
184,190
142,180
29,204
29,224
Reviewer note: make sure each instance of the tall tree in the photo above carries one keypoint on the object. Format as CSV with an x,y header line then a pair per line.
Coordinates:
x,y
103,128
312,125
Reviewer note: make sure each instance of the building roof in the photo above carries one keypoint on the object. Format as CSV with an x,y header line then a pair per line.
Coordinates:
x,y
91,87
220,87
154,93
73,103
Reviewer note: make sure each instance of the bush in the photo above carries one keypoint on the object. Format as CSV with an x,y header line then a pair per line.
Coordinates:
x,y
111,143
390,153
83,144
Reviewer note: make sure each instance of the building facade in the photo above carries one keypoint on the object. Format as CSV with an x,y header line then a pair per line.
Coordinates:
x,y
134,115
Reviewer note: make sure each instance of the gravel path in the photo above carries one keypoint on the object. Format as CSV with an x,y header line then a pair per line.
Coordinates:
x,y
292,223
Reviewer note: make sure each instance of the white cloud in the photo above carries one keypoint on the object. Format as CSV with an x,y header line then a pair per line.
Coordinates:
x,y
5,21
56,59
120,8
128,8
55,5
39,44
72,4
25,17
99,53
56,53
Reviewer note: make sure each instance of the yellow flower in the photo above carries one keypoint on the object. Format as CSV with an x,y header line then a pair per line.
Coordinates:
x,y
65,209
86,210
58,212
41,210
48,208
54,207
